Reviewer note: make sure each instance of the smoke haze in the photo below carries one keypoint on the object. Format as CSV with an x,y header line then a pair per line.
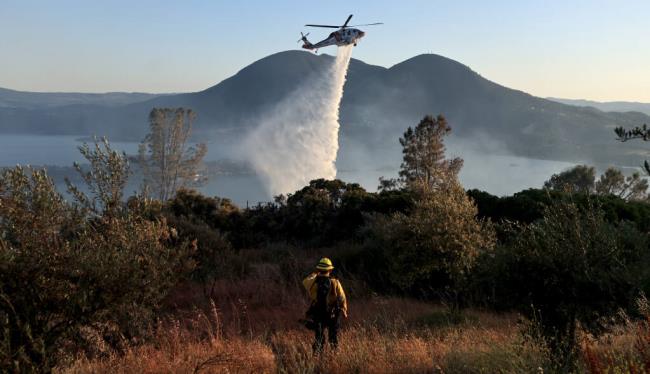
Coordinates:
x,y
298,140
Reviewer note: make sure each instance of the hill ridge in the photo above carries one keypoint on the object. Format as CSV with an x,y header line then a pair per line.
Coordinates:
x,y
378,104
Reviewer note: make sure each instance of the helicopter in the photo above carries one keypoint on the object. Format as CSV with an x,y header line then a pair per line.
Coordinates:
x,y
345,35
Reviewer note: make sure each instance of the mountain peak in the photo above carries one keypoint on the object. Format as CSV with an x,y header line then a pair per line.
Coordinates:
x,y
430,61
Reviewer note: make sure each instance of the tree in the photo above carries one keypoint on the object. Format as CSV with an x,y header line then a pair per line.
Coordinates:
x,y
325,211
387,184
168,164
639,132
580,178
613,182
433,246
424,166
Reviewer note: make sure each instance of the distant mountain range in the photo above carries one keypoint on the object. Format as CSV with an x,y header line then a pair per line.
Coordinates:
x,y
11,99
378,104
608,106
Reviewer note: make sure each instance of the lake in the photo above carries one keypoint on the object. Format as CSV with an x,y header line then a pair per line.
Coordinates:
x,y
497,174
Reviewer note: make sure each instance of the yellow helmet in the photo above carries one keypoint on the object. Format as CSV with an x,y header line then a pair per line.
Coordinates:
x,y
324,264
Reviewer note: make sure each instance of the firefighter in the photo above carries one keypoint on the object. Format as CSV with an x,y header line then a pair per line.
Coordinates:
x,y
328,304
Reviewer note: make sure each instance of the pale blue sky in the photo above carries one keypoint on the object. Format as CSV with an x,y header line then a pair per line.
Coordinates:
x,y
596,49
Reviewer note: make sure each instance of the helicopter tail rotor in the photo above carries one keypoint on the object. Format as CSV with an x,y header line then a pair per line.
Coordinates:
x,y
303,38
306,44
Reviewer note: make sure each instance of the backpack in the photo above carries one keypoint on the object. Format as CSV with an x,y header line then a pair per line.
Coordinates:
x,y
320,309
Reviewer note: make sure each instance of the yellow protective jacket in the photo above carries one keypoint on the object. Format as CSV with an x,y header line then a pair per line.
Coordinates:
x,y
336,296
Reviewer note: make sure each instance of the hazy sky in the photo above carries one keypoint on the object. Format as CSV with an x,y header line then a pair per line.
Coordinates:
x,y
591,49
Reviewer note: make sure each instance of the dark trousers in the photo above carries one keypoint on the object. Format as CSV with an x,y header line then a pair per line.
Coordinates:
x,y
332,324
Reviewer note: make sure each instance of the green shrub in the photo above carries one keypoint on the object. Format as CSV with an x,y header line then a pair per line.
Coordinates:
x,y
528,206
213,211
321,214
209,222
214,256
434,247
572,267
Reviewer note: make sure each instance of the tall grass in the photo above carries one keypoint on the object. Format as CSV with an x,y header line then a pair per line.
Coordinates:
x,y
201,346
247,332
250,326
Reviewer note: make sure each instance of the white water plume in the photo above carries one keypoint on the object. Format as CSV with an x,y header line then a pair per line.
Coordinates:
x,y
299,139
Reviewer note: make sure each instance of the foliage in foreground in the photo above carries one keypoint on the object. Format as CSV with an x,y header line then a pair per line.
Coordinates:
x,y
572,268
74,272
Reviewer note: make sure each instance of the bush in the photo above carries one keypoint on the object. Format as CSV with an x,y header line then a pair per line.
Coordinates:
x,y
66,270
570,267
214,256
434,247
215,212
209,222
528,206
321,214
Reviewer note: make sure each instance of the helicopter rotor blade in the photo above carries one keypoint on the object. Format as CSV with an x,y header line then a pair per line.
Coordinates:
x,y
328,26
346,21
334,27
368,24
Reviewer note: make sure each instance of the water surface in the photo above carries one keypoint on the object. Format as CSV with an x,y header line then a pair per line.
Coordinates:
x,y
497,174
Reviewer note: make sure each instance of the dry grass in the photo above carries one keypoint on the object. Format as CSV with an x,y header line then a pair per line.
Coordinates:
x,y
624,350
386,335
251,327
173,353
372,351
362,350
